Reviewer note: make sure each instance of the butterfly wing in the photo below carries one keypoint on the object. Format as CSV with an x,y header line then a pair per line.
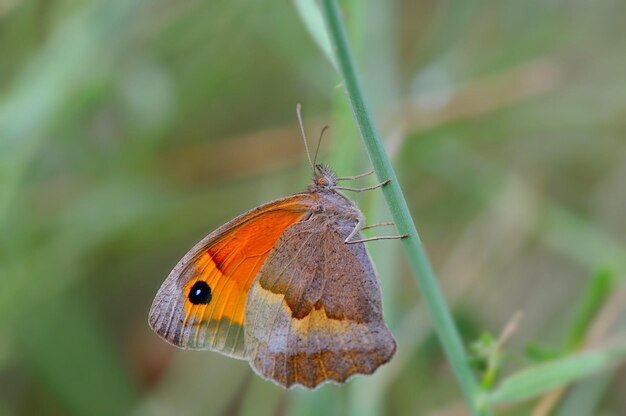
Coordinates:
x,y
314,313
201,303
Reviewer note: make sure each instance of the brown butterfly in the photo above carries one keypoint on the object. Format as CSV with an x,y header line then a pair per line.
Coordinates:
x,y
288,286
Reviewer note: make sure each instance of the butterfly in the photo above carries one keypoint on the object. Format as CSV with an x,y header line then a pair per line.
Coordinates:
x,y
288,286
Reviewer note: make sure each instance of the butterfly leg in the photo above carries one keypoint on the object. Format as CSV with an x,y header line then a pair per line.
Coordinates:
x,y
380,224
380,237
352,178
359,226
369,188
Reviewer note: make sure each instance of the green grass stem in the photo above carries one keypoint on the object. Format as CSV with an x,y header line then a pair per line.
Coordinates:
x,y
418,259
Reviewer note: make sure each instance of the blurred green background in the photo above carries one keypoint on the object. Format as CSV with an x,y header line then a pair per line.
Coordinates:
x,y
130,129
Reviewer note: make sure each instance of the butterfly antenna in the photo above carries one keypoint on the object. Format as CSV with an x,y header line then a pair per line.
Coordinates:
x,y
319,142
306,144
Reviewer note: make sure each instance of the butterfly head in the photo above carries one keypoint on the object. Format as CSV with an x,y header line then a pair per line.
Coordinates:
x,y
323,178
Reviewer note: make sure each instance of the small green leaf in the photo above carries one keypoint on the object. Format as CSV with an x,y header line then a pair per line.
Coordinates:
x,y
486,356
480,351
544,377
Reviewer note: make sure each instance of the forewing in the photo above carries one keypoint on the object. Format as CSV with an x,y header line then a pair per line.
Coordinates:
x,y
227,260
314,313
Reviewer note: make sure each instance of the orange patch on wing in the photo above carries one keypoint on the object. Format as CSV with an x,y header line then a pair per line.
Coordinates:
x,y
230,265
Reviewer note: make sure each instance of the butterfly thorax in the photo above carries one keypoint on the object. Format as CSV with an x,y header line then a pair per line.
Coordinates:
x,y
331,203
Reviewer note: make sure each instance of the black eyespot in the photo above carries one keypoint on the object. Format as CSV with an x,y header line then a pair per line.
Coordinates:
x,y
200,293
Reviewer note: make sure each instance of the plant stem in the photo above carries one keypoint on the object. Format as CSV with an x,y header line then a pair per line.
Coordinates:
x,y
418,259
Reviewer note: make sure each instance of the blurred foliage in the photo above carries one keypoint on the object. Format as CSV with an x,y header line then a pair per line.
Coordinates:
x,y
129,129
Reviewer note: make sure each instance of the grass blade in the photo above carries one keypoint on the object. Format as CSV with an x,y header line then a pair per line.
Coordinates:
x,y
539,379
418,259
